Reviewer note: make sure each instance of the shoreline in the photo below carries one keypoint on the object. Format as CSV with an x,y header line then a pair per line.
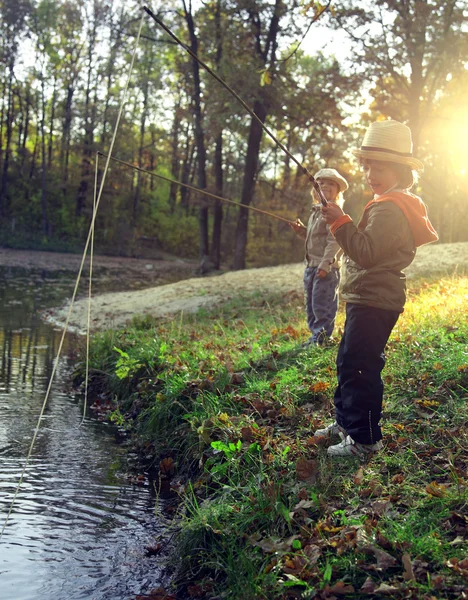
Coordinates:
x,y
116,309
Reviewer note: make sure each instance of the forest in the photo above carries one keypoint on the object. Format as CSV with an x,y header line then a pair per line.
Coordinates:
x,y
64,66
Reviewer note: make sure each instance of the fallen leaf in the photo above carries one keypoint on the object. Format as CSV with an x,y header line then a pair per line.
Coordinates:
x,y
270,545
153,550
304,504
317,440
384,559
247,434
386,589
294,565
167,467
237,378
435,489
341,588
408,575
457,540
313,553
380,507
359,476
368,586
306,470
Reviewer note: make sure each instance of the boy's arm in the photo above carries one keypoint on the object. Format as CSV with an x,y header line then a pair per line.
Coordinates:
x,y
299,228
383,233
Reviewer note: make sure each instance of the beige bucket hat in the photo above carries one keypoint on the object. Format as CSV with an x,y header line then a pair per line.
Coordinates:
x,y
389,141
334,176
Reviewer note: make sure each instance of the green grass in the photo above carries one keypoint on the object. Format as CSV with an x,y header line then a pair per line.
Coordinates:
x,y
230,397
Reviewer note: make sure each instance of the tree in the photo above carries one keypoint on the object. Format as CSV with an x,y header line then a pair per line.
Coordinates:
x,y
407,48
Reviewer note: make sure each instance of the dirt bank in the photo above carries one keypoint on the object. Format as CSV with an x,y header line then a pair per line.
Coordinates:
x,y
111,272
116,309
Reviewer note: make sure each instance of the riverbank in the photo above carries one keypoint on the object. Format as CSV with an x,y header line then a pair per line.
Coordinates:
x,y
223,405
118,272
117,309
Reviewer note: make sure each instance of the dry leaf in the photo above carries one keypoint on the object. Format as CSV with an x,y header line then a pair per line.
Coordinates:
x,y
368,586
167,467
247,434
384,559
380,507
270,545
341,589
386,589
237,378
435,489
306,470
359,476
408,575
313,553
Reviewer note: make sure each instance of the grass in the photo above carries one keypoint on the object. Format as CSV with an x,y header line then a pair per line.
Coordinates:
x,y
229,400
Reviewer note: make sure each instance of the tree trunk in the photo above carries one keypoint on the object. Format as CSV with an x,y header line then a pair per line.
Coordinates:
x,y
218,207
66,134
144,116
250,171
51,125
88,127
175,167
268,57
9,130
45,222
115,35
218,161
199,141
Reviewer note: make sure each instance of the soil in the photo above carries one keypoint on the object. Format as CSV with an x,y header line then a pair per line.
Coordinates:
x,y
116,309
109,272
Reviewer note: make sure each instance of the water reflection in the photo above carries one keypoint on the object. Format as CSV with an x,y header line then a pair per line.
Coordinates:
x,y
76,530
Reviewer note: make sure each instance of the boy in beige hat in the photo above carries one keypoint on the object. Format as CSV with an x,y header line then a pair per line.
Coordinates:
x,y
322,272
383,243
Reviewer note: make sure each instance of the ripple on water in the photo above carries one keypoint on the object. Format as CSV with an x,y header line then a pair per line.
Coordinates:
x,y
77,529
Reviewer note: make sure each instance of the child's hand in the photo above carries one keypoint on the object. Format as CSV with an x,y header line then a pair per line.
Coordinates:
x,y
331,212
321,274
297,226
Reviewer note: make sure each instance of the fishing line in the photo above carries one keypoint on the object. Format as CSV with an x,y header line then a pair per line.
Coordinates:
x,y
316,186
198,190
72,301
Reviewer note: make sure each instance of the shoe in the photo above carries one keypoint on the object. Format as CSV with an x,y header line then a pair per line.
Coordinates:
x,y
332,431
348,447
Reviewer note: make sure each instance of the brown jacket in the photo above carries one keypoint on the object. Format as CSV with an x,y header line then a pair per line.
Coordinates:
x,y
383,243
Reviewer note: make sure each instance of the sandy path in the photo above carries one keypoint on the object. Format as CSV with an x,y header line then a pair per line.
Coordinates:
x,y
116,309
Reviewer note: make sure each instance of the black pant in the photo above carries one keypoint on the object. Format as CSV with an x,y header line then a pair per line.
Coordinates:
x,y
360,360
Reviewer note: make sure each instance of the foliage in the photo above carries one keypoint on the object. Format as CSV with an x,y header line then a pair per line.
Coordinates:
x,y
264,513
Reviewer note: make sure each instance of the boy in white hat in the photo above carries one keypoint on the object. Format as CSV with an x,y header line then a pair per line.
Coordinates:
x,y
322,272
383,243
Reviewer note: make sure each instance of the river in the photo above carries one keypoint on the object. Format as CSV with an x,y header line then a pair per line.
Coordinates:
x,y
78,529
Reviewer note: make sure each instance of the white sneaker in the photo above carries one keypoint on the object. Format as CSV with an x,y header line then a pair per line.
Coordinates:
x,y
348,447
331,431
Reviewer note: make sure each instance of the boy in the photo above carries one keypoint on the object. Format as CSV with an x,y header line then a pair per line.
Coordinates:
x,y
383,243
322,272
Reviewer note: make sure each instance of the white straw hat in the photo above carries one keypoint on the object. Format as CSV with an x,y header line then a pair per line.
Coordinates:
x,y
389,141
334,176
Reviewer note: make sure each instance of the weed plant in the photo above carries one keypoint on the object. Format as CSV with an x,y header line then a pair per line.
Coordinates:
x,y
232,399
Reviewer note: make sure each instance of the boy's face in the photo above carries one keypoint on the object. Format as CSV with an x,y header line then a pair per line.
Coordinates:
x,y
380,175
329,188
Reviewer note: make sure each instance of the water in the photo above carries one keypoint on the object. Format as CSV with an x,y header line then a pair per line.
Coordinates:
x,y
78,530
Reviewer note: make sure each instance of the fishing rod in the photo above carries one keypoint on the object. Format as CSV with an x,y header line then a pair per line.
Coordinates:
x,y
198,190
311,178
